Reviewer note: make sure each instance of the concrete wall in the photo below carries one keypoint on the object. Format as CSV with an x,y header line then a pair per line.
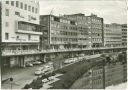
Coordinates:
x,y
12,20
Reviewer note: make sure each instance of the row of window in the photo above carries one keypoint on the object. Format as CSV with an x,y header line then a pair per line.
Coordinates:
x,y
82,28
113,34
124,40
97,81
96,34
7,37
79,18
57,19
23,6
96,39
113,42
18,14
64,39
28,27
109,45
82,39
124,29
97,77
96,72
97,25
68,33
113,38
124,26
83,33
63,27
124,33
124,36
57,32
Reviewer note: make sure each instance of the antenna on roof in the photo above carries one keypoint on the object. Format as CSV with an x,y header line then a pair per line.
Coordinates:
x,y
51,12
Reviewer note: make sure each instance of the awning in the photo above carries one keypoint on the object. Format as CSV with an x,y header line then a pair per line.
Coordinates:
x,y
31,23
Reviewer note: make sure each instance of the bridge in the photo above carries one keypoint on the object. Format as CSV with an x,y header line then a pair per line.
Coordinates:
x,y
30,52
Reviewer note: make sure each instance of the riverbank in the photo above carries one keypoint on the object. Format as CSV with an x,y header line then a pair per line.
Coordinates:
x,y
73,72
122,86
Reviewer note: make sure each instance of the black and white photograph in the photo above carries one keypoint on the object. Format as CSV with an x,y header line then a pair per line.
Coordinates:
x,y
63,44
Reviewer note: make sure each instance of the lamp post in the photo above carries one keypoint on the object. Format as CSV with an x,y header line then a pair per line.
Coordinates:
x,y
20,44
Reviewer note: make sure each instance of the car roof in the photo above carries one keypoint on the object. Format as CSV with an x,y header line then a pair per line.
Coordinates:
x,y
40,68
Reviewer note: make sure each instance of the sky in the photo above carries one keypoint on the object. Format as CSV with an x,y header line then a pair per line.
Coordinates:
x,y
113,11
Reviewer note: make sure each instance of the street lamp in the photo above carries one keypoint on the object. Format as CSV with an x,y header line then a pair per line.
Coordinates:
x,y
20,44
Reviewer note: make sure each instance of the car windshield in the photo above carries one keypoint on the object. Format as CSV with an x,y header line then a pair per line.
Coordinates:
x,y
38,70
47,66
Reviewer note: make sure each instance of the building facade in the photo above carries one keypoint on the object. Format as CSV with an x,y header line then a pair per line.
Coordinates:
x,y
20,29
61,32
90,29
112,35
0,23
124,34
114,74
97,77
100,77
82,28
96,30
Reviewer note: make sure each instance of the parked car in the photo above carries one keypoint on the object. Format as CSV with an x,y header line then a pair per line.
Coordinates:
x,y
66,62
50,63
48,69
28,64
39,71
71,60
36,62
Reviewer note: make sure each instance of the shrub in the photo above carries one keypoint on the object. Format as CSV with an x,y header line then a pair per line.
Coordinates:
x,y
27,86
36,84
73,72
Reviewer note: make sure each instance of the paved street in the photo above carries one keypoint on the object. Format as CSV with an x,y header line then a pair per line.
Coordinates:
x,y
23,76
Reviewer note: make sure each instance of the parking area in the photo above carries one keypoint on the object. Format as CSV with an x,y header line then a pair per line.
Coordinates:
x,y
22,76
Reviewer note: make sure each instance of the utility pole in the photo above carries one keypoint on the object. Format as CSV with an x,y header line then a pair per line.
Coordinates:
x,y
103,73
51,12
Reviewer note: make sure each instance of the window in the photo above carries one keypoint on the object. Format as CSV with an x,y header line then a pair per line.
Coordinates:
x,y
29,8
6,24
17,3
12,3
7,2
7,12
32,9
29,37
6,36
17,13
17,37
25,7
36,10
21,5
57,19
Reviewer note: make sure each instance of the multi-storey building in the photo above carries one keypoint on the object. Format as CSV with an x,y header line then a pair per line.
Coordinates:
x,y
112,35
125,72
0,23
20,29
90,29
114,74
82,27
60,32
96,30
97,77
124,34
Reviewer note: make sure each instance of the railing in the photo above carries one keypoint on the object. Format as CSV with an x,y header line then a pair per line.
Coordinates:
x,y
23,52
